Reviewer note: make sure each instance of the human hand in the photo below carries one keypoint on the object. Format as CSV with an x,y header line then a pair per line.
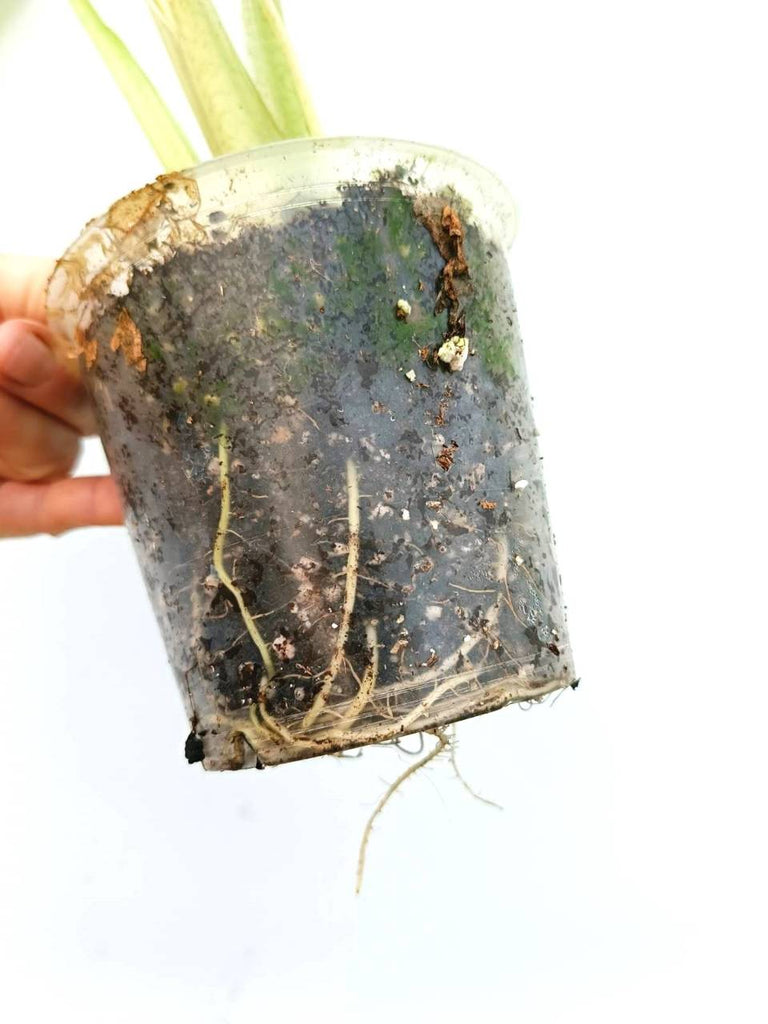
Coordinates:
x,y
44,412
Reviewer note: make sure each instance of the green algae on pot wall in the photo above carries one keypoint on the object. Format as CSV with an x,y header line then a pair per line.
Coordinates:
x,y
310,384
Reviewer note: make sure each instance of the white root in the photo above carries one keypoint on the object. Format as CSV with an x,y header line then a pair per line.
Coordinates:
x,y
353,559
462,780
218,556
369,679
442,742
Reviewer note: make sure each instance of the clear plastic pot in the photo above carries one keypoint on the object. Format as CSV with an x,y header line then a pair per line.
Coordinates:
x,y
310,384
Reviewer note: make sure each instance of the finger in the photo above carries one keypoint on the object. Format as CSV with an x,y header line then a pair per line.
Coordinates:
x,y
33,445
23,281
29,508
30,371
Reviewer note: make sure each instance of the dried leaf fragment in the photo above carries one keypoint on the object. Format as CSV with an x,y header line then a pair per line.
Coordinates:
x,y
445,458
86,347
448,235
127,337
443,407
399,645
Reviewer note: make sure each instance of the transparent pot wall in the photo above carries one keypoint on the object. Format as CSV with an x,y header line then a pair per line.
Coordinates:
x,y
309,378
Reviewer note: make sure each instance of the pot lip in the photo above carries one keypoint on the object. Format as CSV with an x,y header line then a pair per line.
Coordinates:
x,y
315,142
172,211
438,168
379,148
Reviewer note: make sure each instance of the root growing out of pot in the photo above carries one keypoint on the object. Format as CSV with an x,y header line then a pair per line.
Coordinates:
x,y
453,745
442,743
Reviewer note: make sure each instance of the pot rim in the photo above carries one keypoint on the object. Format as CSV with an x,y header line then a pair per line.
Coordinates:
x,y
228,192
377,150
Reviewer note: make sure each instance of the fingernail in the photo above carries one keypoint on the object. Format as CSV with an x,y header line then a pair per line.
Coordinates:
x,y
24,358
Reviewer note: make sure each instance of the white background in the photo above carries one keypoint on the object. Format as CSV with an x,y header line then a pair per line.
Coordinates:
x,y
625,880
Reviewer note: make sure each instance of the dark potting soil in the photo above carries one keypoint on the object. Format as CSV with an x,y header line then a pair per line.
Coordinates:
x,y
288,342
